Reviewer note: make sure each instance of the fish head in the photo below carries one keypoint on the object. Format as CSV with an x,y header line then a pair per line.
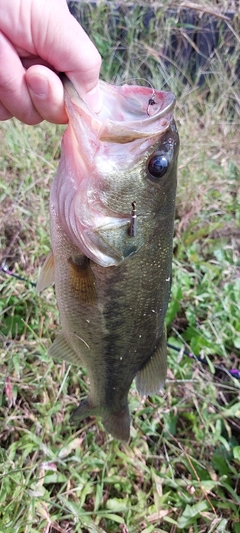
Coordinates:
x,y
117,175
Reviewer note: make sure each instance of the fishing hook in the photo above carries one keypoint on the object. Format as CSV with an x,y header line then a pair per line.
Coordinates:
x,y
133,222
151,102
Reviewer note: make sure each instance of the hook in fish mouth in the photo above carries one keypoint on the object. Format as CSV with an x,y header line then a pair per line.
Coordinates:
x,y
151,102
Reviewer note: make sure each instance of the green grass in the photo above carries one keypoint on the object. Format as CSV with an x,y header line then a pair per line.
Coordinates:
x,y
181,470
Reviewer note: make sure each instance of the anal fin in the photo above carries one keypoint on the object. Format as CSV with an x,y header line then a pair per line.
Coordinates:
x,y
151,378
60,349
85,409
46,276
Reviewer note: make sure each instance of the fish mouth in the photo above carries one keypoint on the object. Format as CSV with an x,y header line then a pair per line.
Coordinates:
x,y
129,112
141,105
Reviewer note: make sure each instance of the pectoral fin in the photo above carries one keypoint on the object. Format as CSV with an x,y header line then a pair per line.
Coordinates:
x,y
60,349
83,280
151,378
46,276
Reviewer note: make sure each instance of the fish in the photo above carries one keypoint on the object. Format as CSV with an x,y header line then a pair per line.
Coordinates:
x,y
112,207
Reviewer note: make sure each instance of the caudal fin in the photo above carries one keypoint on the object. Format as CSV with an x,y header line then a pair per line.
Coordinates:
x,y
117,423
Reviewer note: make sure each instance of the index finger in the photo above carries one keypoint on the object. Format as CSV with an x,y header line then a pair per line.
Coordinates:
x,y
74,53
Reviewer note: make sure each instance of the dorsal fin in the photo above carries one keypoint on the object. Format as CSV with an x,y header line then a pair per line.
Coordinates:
x,y
151,378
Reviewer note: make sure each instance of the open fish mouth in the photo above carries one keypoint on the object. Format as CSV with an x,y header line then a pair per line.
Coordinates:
x,y
126,117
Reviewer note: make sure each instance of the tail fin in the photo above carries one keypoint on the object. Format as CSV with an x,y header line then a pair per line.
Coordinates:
x,y
117,423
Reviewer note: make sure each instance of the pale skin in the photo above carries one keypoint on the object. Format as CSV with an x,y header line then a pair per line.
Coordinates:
x,y
39,39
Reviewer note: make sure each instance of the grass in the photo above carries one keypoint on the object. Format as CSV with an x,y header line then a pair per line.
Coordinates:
x,y
181,470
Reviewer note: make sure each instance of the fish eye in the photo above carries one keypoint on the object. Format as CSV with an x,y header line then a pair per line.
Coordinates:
x,y
157,166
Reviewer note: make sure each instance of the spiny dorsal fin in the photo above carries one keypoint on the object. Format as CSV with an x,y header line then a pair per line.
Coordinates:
x,y
151,378
60,349
46,276
83,280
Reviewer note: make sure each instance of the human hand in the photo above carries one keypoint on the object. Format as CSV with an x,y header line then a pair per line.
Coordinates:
x,y
38,39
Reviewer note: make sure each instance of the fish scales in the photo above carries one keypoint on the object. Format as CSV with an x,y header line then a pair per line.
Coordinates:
x,y
113,288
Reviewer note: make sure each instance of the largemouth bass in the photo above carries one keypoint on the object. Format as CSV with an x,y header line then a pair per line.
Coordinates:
x,y
112,213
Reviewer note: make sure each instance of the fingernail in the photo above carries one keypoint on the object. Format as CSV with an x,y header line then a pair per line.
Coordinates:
x,y
39,86
94,99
